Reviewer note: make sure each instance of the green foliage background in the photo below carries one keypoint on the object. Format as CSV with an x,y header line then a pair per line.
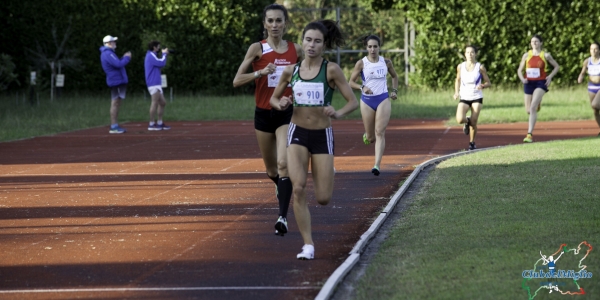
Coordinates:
x,y
502,29
356,23
210,36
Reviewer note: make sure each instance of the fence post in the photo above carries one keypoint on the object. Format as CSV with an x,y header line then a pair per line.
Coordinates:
x,y
406,63
337,16
51,81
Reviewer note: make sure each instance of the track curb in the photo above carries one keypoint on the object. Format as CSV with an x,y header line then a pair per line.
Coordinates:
x,y
354,256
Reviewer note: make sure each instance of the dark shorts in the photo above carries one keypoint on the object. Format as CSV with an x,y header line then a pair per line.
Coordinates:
x,y
118,91
531,85
470,102
268,120
317,141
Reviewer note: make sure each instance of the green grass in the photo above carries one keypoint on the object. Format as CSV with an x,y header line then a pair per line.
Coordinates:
x,y
19,119
480,220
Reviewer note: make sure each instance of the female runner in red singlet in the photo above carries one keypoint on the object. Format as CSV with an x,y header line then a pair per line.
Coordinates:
x,y
536,81
268,58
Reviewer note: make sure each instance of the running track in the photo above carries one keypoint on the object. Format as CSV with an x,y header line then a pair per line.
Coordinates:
x,y
189,213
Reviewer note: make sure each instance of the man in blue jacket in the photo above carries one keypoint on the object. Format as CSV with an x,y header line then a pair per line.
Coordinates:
x,y
116,78
152,65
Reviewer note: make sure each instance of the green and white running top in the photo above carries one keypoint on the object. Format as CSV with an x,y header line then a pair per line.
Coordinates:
x,y
313,92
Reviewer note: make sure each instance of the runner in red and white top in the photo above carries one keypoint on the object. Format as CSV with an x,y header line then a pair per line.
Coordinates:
x,y
534,62
267,59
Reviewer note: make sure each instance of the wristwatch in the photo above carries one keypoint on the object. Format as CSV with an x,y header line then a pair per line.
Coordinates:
x,y
257,74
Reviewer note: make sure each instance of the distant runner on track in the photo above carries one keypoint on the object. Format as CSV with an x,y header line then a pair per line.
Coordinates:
x,y
471,79
375,106
591,65
535,82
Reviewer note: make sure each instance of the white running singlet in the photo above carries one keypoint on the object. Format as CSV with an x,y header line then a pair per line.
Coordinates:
x,y
374,76
469,82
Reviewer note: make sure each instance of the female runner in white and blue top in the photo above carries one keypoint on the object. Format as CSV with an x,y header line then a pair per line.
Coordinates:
x,y
375,106
592,66
471,79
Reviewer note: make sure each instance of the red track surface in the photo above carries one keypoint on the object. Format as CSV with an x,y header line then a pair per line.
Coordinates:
x,y
189,213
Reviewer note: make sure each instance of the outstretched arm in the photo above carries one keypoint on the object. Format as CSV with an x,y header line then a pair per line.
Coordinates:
x,y
392,72
277,101
457,83
354,76
583,70
555,69
337,79
520,70
486,80
243,78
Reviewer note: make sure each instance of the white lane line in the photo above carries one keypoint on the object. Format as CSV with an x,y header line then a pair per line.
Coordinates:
x,y
181,254
445,131
125,174
150,289
243,161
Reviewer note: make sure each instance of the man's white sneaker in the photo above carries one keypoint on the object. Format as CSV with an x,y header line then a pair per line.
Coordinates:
x,y
308,252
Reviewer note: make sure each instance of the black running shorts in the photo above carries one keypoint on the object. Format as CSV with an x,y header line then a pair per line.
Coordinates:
x,y
318,141
470,102
268,120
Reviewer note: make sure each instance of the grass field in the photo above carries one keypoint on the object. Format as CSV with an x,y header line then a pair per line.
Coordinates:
x,y
19,119
482,219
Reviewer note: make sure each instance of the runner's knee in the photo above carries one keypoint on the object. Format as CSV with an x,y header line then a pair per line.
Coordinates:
x,y
323,200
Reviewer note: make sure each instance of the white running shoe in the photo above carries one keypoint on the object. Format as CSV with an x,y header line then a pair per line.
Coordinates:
x,y
308,252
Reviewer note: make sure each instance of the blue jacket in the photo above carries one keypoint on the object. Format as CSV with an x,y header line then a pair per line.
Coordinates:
x,y
113,66
152,66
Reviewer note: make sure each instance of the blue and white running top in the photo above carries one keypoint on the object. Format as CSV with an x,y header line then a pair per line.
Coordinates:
x,y
374,76
593,69
469,82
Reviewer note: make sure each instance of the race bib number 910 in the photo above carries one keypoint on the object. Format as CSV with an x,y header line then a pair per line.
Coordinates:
x,y
309,93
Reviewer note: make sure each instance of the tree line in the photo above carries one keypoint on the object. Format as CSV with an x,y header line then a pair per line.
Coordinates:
x,y
211,36
501,29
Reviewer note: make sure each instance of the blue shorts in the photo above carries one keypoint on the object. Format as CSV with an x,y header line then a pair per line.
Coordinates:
x,y
374,101
268,120
531,85
593,87
317,141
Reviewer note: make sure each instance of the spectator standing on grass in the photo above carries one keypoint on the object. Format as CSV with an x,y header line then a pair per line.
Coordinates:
x,y
591,65
535,82
310,136
116,78
268,58
375,106
152,66
471,79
